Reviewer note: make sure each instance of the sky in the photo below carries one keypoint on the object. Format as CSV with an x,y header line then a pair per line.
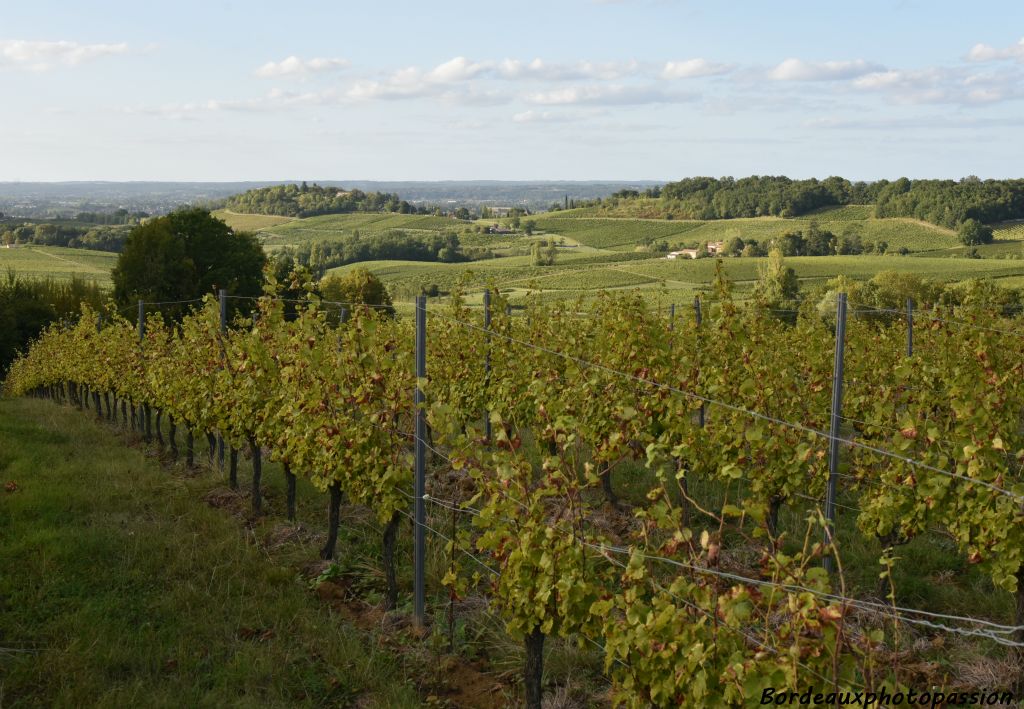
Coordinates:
x,y
224,90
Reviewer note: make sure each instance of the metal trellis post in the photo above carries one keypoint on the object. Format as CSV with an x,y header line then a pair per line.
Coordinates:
x,y
487,361
833,437
697,312
223,297
420,513
910,327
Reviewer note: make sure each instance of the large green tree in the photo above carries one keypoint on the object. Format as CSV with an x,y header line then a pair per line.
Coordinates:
x,y
972,232
185,255
357,286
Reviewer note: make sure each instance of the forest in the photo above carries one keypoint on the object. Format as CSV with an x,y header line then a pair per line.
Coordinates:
x,y
947,203
312,200
320,256
78,234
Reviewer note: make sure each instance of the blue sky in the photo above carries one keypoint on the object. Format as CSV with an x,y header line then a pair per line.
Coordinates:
x,y
563,89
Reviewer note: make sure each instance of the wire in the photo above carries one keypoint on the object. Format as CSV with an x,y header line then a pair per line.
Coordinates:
x,y
171,302
746,412
997,630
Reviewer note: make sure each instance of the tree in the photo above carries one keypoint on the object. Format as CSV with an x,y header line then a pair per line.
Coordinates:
x,y
792,244
777,284
972,232
185,255
733,247
357,286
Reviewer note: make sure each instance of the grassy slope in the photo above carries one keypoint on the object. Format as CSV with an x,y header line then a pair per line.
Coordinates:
x,y
587,237
120,587
58,262
249,222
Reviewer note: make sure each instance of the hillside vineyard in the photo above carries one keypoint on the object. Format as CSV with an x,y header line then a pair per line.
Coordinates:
x,y
541,418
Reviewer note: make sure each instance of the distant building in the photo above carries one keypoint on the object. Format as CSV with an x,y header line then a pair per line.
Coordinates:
x,y
712,247
683,253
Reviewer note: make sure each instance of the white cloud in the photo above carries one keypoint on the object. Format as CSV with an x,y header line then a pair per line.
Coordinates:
x,y
293,66
799,70
532,116
693,68
615,95
944,85
273,100
988,53
415,82
456,70
40,56
538,69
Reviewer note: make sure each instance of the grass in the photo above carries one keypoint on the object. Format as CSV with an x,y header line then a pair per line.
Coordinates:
x,y
1010,231
333,226
249,222
120,587
58,262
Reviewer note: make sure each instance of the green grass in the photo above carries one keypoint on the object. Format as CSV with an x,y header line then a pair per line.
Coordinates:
x,y
58,262
1010,231
249,222
334,226
906,233
845,213
120,586
615,233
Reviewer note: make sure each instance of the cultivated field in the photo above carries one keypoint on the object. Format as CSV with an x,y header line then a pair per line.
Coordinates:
x,y
249,222
58,262
598,253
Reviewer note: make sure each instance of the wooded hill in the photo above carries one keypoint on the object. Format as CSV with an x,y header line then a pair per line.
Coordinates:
x,y
946,203
312,200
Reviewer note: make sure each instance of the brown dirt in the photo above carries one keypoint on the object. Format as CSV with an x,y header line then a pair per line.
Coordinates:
x,y
451,681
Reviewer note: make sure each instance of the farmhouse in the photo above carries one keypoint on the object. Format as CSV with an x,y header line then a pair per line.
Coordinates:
x,y
684,253
712,248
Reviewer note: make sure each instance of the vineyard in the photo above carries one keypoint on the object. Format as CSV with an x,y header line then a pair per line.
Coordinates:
x,y
58,262
683,492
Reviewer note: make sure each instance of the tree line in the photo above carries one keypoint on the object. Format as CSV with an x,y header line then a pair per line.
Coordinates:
x,y
947,203
102,237
321,256
312,200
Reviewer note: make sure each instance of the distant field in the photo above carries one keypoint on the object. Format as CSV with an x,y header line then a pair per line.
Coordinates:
x,y
849,212
662,278
1013,231
329,226
58,262
623,234
615,233
897,233
599,252
249,222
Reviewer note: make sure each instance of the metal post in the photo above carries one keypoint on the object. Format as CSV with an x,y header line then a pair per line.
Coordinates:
x,y
344,315
910,327
508,309
99,322
487,361
222,295
142,320
419,536
833,442
696,310
672,316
